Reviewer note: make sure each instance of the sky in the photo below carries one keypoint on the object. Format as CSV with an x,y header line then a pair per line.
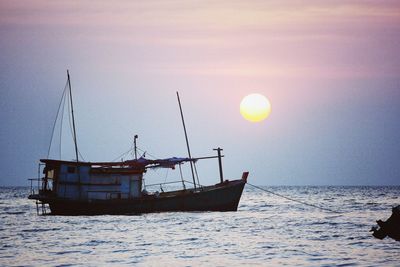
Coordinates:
x,y
331,70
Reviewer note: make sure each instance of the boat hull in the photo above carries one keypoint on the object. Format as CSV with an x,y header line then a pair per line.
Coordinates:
x,y
220,197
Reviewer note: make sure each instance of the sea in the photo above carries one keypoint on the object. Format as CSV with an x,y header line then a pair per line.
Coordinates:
x,y
267,230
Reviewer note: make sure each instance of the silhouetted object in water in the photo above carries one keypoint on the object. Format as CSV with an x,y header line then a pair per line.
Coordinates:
x,y
389,228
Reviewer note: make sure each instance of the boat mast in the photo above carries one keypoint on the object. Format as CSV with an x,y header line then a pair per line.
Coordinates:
x,y
73,118
187,141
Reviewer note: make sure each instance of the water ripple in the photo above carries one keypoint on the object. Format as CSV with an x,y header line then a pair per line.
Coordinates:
x,y
265,231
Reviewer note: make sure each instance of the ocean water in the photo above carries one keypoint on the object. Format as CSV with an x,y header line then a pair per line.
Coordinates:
x,y
265,231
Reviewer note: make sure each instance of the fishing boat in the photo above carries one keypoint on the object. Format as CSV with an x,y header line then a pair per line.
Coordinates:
x,y
94,188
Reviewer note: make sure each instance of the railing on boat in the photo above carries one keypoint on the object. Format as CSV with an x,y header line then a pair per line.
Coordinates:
x,y
40,206
31,180
173,182
41,185
39,179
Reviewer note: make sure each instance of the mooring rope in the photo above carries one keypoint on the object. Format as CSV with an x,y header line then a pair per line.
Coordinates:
x,y
292,199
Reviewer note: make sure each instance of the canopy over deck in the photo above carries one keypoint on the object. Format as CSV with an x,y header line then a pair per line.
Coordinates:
x,y
141,163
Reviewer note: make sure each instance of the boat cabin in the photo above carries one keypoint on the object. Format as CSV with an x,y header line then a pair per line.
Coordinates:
x,y
92,181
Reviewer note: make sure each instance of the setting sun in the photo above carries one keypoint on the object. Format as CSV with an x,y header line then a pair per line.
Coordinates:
x,y
255,107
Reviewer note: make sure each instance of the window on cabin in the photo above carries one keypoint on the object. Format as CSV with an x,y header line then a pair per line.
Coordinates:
x,y
71,169
50,174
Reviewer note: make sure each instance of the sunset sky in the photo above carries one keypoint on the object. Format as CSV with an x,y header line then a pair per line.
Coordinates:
x,y
331,70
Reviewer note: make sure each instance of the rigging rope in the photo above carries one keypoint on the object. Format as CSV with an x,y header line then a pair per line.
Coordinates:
x,y
70,126
195,171
166,176
132,150
294,200
55,120
61,121
122,155
154,157
61,108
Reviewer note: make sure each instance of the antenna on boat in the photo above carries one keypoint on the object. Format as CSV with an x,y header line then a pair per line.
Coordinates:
x,y
73,118
221,175
134,144
187,141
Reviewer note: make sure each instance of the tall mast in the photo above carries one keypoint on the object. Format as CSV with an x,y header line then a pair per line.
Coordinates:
x,y
73,118
187,141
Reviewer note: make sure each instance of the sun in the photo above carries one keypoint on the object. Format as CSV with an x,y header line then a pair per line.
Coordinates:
x,y
255,107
